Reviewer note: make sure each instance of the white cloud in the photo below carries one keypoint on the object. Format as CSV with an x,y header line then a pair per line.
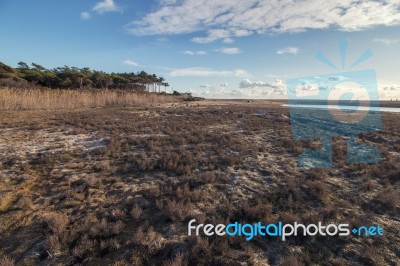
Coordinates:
x,y
222,85
336,78
168,2
188,52
100,8
228,40
205,86
246,89
85,15
265,89
288,50
389,91
130,63
106,6
387,42
276,89
207,72
229,50
246,83
392,88
224,20
213,91
214,34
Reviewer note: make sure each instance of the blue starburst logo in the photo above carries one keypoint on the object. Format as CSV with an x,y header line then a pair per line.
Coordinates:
x,y
347,105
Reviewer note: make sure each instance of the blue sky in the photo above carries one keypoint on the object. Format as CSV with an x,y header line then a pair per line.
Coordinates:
x,y
225,49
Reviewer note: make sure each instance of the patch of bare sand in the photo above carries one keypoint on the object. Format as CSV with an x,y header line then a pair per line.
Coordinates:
x,y
21,142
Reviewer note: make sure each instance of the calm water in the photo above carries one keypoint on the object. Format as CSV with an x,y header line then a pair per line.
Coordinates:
x,y
316,106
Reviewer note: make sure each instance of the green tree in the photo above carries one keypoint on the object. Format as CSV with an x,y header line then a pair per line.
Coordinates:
x,y
101,79
38,67
74,77
160,81
22,65
165,84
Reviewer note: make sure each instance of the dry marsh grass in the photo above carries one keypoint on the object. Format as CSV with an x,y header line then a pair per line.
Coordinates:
x,y
51,99
80,187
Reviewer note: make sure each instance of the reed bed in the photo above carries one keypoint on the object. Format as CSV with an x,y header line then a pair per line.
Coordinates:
x,y
48,99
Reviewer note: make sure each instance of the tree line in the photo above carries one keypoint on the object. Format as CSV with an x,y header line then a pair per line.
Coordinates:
x,y
66,77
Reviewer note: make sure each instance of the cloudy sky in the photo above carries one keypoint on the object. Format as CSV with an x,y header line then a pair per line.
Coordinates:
x,y
219,48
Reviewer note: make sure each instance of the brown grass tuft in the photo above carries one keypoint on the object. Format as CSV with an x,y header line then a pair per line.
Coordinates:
x,y
48,99
6,261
